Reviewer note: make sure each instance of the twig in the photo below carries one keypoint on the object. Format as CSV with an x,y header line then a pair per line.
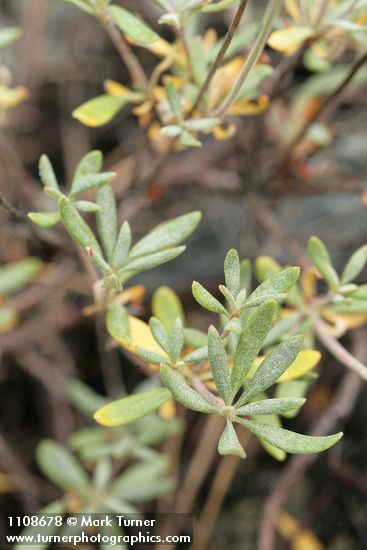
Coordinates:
x,y
340,408
336,349
136,71
220,55
17,214
271,13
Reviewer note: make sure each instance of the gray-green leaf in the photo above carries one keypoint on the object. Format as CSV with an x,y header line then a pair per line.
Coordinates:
x,y
271,406
90,181
218,363
80,232
91,163
320,258
46,173
207,300
133,27
117,322
160,334
291,442
272,367
182,392
107,219
153,260
232,272
177,339
279,283
251,340
166,235
44,219
355,264
228,443
122,247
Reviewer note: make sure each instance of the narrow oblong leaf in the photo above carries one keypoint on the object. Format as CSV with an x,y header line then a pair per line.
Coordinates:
x,y
279,283
79,231
250,342
320,257
207,300
99,110
272,367
200,354
166,306
183,393
195,338
160,334
117,322
44,219
16,275
61,467
291,442
150,356
153,260
355,265
87,206
91,181
91,163
98,262
126,410
133,27
46,173
122,247
177,339
219,366
271,406
166,235
174,100
107,219
232,272
228,443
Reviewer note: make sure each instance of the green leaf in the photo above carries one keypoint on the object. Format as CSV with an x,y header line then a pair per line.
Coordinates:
x,y
200,354
198,63
280,328
195,338
160,334
80,232
91,163
143,481
122,247
217,6
265,267
46,173
99,262
17,275
182,392
133,27
206,300
171,130
44,219
81,4
251,340
107,220
99,110
219,366
270,420
56,507
295,389
279,283
150,356
229,444
166,235
84,398
258,300
188,140
320,258
86,206
126,410
231,302
117,322
291,442
166,306
153,260
271,406
177,339
245,274
174,100
202,124
232,272
355,264
9,35
272,367
61,467
91,181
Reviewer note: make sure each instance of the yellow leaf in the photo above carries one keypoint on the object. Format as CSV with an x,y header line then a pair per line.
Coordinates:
x,y
287,41
7,483
308,282
99,110
341,322
132,294
305,361
141,336
116,89
249,106
12,97
168,409
292,8
221,133
298,537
